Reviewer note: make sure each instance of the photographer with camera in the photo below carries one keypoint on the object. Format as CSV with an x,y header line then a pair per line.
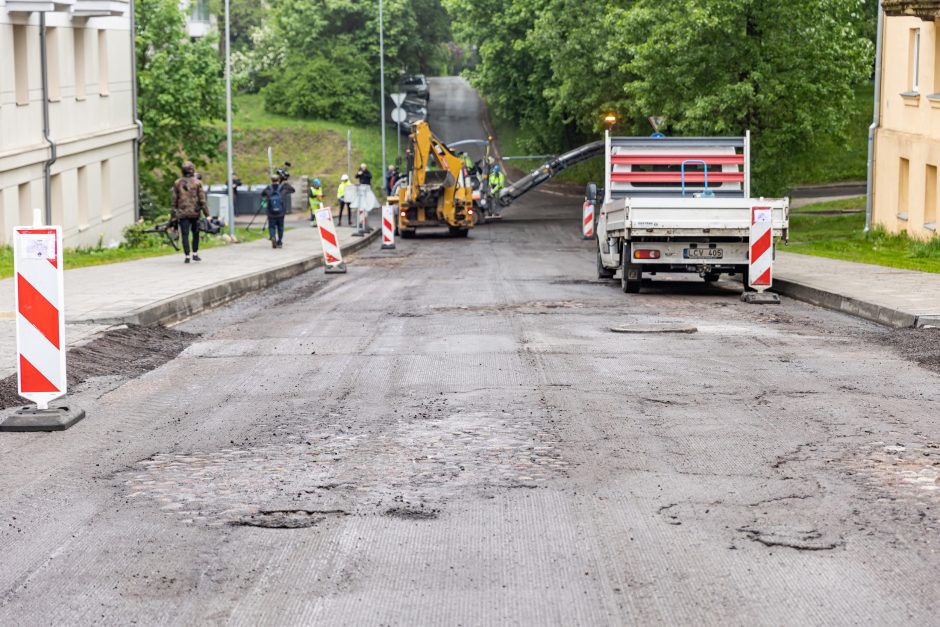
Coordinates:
x,y
274,198
188,202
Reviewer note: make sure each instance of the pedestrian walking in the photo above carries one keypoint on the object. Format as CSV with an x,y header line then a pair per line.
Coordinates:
x,y
315,196
341,198
274,197
188,202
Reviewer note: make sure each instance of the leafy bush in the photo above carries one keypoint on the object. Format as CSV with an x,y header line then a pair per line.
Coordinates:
x,y
337,87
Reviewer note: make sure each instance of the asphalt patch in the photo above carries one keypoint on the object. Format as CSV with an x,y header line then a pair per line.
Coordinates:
x,y
921,346
127,352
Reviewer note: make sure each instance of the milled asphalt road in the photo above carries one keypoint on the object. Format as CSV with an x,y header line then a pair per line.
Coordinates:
x,y
451,435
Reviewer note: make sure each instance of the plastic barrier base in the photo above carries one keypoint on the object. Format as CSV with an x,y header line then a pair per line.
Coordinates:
x,y
760,298
34,419
339,268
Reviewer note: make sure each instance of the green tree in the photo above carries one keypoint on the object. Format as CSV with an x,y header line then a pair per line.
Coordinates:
x,y
180,93
331,66
513,71
783,69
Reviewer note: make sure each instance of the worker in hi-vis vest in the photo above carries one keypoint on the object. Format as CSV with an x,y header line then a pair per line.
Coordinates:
x,y
341,197
497,180
316,200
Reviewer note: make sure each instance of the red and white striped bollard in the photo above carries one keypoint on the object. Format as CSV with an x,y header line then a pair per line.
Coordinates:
x,y
587,220
761,249
39,289
388,227
332,255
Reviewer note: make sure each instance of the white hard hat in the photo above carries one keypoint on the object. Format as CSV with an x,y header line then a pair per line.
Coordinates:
x,y
345,177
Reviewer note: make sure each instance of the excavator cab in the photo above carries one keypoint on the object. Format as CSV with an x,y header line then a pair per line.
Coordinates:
x,y
438,192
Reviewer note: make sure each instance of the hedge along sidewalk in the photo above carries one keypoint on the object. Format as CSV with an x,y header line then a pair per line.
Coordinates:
x,y
165,290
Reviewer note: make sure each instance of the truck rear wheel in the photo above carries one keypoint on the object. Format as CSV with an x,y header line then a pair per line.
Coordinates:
x,y
602,272
631,279
407,233
458,232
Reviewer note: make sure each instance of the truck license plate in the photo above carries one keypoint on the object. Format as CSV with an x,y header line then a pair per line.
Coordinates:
x,y
704,253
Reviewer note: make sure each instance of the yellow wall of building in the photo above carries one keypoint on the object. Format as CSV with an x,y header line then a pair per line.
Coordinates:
x,y
907,144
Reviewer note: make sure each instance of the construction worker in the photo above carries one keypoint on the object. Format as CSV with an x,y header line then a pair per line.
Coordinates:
x,y
316,200
341,198
497,180
467,162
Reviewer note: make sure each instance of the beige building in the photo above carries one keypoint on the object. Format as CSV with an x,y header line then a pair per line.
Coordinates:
x,y
67,117
906,187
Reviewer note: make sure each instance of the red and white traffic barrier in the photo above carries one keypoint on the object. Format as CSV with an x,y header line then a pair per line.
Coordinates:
x,y
330,242
761,247
40,313
587,221
388,227
39,294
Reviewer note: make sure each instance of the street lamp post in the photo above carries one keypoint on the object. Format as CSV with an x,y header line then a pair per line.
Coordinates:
x,y
382,94
228,120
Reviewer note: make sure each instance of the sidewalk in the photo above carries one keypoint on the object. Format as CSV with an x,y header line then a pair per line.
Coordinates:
x,y
897,298
164,289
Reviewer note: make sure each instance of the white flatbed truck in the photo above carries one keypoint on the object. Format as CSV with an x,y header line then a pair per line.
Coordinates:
x,y
677,205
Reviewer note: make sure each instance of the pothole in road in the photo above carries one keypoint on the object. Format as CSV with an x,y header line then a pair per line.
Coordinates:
x,y
287,518
799,539
655,328
411,513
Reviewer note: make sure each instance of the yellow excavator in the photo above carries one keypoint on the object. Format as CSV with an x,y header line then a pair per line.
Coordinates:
x,y
437,191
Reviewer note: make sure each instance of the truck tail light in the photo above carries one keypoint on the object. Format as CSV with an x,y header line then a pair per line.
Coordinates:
x,y
646,254
404,213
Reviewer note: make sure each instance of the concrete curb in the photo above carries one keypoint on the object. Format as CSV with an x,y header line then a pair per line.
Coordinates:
x,y
838,302
190,303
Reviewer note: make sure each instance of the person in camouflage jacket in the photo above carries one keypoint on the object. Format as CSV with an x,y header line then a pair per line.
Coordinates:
x,y
189,201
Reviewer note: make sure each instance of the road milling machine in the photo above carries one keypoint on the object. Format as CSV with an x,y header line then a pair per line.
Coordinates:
x,y
437,192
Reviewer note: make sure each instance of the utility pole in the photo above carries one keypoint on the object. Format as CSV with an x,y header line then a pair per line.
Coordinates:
x,y
228,120
382,91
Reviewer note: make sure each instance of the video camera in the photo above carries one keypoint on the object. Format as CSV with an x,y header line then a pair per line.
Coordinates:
x,y
282,173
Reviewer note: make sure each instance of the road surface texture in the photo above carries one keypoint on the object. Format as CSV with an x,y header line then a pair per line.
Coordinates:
x,y
450,434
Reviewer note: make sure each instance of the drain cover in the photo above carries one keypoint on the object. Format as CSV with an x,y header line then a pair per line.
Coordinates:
x,y
655,328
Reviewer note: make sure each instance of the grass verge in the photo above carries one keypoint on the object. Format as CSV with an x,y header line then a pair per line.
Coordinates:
x,y
842,236
85,257
315,148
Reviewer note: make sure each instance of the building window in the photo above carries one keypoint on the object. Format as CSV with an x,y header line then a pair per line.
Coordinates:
x,y
904,189
931,199
52,64
83,197
21,64
200,11
103,88
25,204
913,57
78,36
106,189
